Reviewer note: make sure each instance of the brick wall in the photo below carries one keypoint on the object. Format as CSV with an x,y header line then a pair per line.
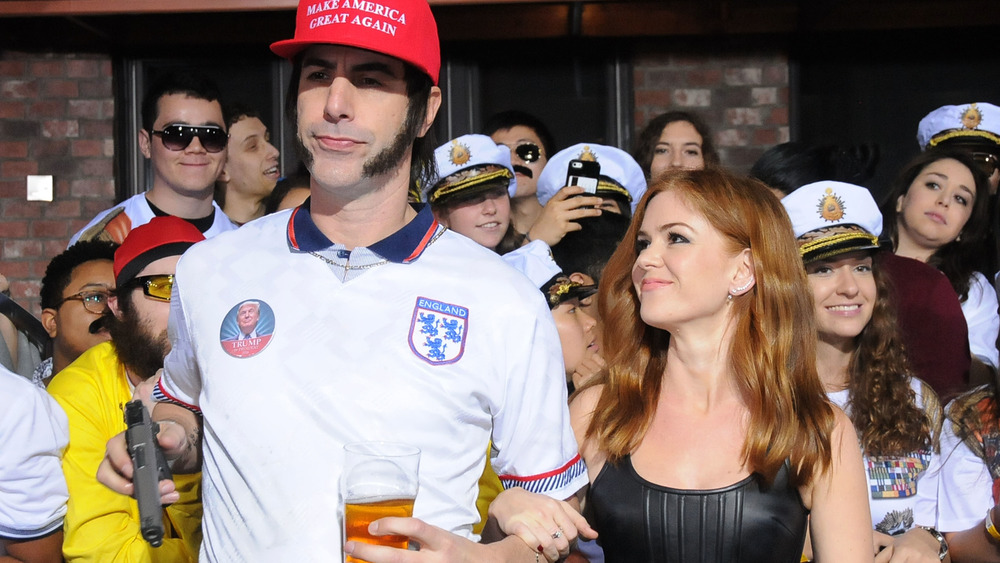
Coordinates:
x,y
742,98
56,117
57,114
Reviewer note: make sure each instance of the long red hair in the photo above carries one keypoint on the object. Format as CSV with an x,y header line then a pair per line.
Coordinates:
x,y
772,357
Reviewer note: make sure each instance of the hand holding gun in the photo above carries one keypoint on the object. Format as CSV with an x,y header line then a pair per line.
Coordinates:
x,y
150,466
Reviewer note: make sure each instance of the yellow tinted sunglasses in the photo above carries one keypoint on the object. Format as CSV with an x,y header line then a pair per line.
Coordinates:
x,y
157,287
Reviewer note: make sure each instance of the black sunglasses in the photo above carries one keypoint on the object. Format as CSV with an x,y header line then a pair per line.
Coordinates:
x,y
157,287
177,137
528,152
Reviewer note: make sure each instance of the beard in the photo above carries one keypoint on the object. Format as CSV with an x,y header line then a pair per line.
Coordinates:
x,y
142,353
387,159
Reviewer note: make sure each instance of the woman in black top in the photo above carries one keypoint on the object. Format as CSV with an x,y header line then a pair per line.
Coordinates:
x,y
710,438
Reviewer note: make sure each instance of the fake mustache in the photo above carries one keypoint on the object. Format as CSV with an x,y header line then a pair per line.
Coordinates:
x,y
523,170
98,325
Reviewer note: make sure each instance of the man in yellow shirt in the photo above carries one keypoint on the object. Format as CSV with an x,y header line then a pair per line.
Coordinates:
x,y
100,524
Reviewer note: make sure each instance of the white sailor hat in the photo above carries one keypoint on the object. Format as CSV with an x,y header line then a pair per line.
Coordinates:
x,y
621,177
537,265
468,164
831,218
978,121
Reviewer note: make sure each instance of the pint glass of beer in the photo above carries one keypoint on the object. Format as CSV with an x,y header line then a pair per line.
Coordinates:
x,y
379,480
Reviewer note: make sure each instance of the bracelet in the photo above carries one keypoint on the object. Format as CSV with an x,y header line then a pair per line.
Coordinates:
x,y
990,528
943,551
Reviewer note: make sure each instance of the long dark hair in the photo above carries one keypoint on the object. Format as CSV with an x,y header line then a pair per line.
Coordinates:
x,y
959,258
646,141
883,407
789,166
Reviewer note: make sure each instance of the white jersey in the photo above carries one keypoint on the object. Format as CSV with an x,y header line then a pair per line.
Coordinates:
x,y
964,485
980,310
895,482
424,338
115,223
34,431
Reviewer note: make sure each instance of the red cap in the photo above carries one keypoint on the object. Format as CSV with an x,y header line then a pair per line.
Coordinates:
x,y
159,238
404,29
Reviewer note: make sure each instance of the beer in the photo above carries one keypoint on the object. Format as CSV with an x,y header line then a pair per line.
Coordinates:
x,y
358,514
379,481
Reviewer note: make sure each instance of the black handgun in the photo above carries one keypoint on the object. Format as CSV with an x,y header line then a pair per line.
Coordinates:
x,y
149,468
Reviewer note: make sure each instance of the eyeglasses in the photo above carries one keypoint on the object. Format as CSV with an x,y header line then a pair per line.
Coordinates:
x,y
157,287
528,152
987,162
177,137
94,301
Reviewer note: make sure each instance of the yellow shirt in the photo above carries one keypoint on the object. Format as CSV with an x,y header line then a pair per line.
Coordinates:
x,y
489,488
102,525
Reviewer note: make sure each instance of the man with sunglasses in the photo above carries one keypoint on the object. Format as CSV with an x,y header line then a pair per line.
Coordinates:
x,y
385,326
184,138
100,524
531,144
74,298
974,127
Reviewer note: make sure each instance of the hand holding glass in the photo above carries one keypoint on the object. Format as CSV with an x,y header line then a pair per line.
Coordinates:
x,y
379,480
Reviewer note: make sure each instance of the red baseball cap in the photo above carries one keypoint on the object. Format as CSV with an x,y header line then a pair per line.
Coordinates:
x,y
404,29
159,238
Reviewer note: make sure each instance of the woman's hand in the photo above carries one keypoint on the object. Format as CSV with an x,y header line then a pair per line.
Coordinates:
x,y
558,215
915,546
589,367
549,525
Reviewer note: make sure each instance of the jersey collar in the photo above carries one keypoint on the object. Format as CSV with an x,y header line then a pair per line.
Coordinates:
x,y
403,246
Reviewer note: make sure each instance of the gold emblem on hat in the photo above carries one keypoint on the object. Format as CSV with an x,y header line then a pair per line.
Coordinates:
x,y
587,154
831,207
971,117
460,154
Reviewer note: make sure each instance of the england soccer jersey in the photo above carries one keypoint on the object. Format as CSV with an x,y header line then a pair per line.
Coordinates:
x,y
424,338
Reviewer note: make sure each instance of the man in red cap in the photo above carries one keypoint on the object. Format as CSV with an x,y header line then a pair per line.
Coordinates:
x,y
101,525
375,331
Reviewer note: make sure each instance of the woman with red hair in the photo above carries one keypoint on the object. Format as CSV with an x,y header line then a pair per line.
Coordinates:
x,y
710,436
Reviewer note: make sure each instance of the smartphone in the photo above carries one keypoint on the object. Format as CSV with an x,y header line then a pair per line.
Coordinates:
x,y
583,173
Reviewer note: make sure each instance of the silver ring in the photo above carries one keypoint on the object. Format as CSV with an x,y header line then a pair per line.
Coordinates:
x,y
536,557
557,535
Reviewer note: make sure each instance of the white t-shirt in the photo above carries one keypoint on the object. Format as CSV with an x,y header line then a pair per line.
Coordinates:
x,y
895,481
964,485
980,310
136,211
427,339
33,433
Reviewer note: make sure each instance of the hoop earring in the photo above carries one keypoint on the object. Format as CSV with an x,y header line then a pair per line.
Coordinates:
x,y
739,290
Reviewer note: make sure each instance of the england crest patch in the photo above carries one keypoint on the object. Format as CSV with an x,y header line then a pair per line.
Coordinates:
x,y
438,331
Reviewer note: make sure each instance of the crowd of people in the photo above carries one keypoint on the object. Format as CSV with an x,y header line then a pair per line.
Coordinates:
x,y
602,355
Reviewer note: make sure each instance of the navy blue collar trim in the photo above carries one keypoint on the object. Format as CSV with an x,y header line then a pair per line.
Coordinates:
x,y
405,245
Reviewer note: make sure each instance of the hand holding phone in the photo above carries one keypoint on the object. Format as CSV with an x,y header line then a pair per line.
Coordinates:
x,y
583,173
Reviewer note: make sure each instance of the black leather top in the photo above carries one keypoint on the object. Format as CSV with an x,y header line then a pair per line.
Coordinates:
x,y
745,522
